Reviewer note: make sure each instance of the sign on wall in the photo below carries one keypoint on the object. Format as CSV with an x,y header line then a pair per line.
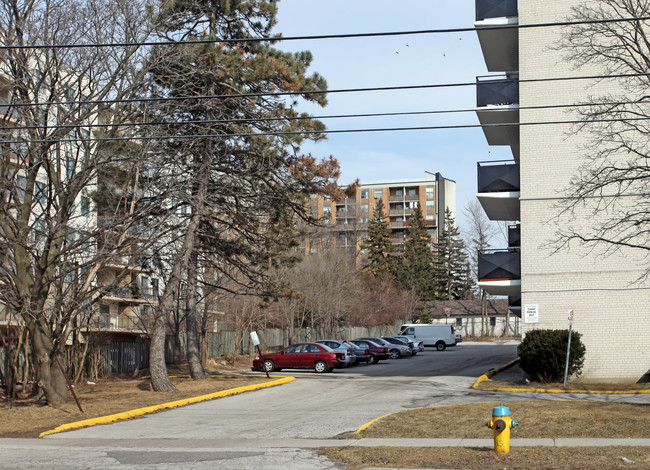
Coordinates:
x,y
531,313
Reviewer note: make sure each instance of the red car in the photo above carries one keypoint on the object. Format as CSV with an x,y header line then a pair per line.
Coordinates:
x,y
300,356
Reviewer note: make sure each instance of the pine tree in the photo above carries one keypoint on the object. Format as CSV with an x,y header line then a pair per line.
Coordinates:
x,y
452,270
378,244
414,268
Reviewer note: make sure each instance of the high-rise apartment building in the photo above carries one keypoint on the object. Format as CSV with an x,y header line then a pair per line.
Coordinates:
x,y
345,222
603,290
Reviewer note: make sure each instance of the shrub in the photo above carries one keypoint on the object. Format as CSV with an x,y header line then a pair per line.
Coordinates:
x,y
543,354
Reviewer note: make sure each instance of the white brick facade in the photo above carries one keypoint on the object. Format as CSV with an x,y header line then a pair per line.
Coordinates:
x,y
612,309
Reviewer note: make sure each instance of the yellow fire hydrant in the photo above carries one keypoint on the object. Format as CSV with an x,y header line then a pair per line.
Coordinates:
x,y
501,423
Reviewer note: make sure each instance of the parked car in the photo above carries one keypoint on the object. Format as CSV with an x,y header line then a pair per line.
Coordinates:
x,y
342,347
431,334
405,349
459,337
319,357
415,345
375,352
394,350
360,353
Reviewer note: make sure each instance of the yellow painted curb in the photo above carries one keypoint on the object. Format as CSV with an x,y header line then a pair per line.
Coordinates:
x,y
163,406
490,373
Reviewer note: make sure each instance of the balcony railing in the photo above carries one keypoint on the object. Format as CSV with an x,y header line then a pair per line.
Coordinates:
x,y
130,292
499,265
498,177
119,322
493,91
495,9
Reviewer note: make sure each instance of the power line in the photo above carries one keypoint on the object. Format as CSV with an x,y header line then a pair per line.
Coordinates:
x,y
299,118
337,131
323,92
327,36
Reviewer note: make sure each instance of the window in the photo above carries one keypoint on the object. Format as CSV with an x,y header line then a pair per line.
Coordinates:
x,y
364,194
399,234
430,217
364,236
413,192
327,198
431,204
313,210
399,219
379,194
430,192
365,208
341,210
399,192
363,220
85,206
327,221
327,210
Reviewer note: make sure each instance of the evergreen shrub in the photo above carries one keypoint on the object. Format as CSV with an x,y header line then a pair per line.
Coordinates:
x,y
543,354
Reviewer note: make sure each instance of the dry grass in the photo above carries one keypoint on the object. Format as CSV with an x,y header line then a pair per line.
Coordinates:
x,y
537,419
28,418
519,458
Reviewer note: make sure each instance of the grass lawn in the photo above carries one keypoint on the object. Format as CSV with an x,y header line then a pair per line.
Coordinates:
x,y
29,417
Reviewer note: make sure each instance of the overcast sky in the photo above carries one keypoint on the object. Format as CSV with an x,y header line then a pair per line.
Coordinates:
x,y
395,61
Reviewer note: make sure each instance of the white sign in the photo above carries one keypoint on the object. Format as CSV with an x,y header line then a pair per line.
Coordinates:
x,y
570,317
531,313
254,338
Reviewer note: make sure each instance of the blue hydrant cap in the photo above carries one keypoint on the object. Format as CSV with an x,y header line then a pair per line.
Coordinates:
x,y
501,410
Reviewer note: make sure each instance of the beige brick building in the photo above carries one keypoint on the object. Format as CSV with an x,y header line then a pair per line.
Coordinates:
x,y
609,303
345,222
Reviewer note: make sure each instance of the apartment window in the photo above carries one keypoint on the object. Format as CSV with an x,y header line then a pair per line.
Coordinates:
x,y
20,188
364,236
430,217
399,234
412,192
327,238
399,192
313,211
313,197
430,192
379,194
327,221
365,208
104,309
431,205
327,210
399,219
363,220
341,210
85,206
327,198
364,194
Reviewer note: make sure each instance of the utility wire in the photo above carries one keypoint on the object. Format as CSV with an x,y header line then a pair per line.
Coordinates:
x,y
273,39
495,79
299,118
337,131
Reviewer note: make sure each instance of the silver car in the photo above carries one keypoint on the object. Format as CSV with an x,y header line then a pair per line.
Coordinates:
x,y
341,347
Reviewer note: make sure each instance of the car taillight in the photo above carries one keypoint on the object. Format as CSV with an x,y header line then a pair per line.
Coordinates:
x,y
341,357
385,350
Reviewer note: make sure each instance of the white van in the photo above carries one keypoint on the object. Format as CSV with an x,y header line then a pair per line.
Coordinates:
x,y
436,335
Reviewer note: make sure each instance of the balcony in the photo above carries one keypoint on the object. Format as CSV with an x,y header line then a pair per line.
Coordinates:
x,y
129,294
514,304
514,236
499,38
499,272
119,322
498,189
497,109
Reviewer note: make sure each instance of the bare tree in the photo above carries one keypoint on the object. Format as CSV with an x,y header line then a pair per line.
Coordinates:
x,y
50,160
609,195
479,235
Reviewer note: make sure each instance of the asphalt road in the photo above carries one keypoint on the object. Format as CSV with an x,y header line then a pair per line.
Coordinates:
x,y
259,430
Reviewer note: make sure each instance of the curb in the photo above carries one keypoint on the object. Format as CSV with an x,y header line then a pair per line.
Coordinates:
x,y
491,372
163,406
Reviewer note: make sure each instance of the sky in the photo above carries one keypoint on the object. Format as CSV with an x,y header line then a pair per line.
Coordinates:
x,y
376,157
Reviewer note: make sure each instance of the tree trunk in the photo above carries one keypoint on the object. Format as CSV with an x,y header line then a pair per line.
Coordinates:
x,y
49,377
193,353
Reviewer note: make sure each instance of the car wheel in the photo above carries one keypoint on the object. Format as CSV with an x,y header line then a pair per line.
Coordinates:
x,y
394,354
320,367
440,345
371,359
268,365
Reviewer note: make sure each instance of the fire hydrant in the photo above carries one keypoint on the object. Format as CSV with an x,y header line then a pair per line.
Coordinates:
x,y
501,423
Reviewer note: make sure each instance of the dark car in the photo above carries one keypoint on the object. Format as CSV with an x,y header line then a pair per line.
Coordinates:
x,y
375,352
300,356
394,350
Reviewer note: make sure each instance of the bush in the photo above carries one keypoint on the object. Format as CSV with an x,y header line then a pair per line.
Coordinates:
x,y
543,354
